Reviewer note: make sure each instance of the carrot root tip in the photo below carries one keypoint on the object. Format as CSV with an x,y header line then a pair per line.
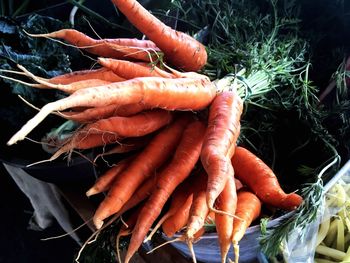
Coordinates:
x,y
98,223
91,192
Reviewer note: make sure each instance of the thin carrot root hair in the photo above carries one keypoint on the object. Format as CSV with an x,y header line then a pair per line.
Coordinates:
x,y
216,211
178,239
72,144
120,148
51,37
69,88
117,242
191,249
93,237
236,251
68,233
34,85
157,226
138,50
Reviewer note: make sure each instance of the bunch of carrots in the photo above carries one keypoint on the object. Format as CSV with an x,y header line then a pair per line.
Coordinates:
x,y
144,106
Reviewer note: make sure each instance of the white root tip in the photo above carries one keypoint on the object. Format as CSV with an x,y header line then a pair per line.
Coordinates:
x,y
91,191
98,224
32,123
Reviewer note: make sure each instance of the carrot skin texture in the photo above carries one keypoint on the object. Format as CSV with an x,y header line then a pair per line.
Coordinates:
x,y
248,209
101,73
114,48
171,94
143,166
130,70
180,49
182,195
97,113
81,84
227,202
89,141
179,218
104,182
138,125
140,194
181,165
254,173
220,140
199,209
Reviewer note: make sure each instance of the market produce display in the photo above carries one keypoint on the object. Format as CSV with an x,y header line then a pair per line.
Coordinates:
x,y
190,122
332,243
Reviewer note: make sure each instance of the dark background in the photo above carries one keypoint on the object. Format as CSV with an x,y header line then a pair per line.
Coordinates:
x,y
18,244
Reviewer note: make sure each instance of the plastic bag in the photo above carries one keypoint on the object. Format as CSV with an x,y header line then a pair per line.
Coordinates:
x,y
301,244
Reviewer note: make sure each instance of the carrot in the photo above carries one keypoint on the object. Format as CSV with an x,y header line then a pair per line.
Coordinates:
x,y
101,73
254,173
238,184
74,86
104,182
126,229
248,209
151,158
127,145
227,202
130,70
88,141
220,140
179,219
137,125
180,49
171,94
199,209
181,196
181,165
68,88
97,113
141,193
113,48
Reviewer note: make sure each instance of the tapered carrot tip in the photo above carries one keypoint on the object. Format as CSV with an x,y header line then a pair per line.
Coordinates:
x,y
91,191
292,201
98,224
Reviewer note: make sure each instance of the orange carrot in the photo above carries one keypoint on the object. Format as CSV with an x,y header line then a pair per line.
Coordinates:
x,y
181,196
238,184
141,193
137,125
143,166
199,209
179,219
130,70
127,145
181,165
104,182
248,209
227,202
113,48
180,49
134,126
97,113
254,173
101,73
68,88
220,140
171,94
74,86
